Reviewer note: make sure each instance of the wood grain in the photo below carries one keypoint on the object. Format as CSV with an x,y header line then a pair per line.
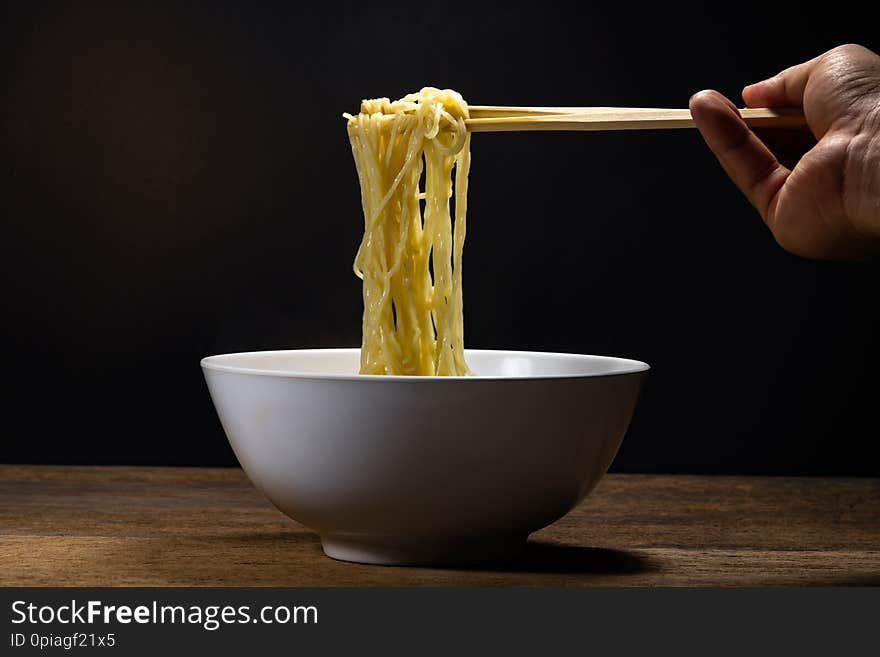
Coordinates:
x,y
103,526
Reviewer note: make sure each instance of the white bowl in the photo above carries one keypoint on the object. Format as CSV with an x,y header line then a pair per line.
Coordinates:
x,y
424,470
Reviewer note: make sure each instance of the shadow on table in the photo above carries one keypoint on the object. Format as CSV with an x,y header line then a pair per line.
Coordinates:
x,y
544,557
538,557
857,580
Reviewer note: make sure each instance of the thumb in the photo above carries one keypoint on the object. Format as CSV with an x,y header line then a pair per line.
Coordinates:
x,y
786,89
746,159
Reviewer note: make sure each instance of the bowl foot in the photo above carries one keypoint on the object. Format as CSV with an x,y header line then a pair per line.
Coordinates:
x,y
384,551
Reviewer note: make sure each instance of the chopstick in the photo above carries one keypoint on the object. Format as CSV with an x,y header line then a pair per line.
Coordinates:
x,y
502,111
489,118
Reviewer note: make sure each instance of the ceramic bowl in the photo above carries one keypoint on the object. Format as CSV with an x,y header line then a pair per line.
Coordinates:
x,y
424,470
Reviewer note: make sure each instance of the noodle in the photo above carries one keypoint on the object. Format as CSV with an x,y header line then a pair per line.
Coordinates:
x,y
410,260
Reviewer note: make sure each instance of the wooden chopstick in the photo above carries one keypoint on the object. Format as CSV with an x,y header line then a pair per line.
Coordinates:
x,y
499,111
486,118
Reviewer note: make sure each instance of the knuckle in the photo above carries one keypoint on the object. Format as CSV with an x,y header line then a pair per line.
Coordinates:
x,y
844,49
847,52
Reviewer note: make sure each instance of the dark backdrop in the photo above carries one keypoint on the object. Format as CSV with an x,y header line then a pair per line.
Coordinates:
x,y
178,183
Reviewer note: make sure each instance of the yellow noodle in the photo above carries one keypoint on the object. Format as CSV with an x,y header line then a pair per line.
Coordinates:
x,y
409,259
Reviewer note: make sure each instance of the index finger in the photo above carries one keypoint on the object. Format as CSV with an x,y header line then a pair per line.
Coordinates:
x,y
785,89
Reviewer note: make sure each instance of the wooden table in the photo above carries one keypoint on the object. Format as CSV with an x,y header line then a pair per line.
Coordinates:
x,y
94,526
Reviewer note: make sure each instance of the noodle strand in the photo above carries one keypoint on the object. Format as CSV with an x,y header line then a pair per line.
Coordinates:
x,y
410,259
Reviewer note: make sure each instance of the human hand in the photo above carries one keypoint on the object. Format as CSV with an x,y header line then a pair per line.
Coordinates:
x,y
828,205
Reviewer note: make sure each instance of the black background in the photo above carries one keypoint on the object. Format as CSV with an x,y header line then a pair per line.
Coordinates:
x,y
178,183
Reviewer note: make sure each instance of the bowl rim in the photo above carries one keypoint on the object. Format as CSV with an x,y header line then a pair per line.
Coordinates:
x,y
627,366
